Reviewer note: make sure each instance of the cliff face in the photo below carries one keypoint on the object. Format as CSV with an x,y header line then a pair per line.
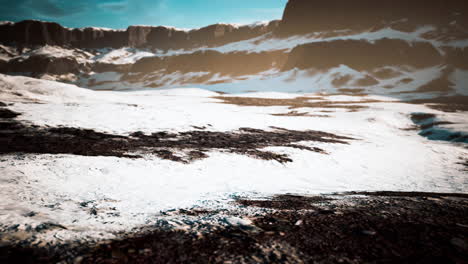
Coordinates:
x,y
31,32
232,64
305,16
213,35
363,55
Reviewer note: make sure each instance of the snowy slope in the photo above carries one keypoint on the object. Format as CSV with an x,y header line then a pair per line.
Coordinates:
x,y
132,193
269,43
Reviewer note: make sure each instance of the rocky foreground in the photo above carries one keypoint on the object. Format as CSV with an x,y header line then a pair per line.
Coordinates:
x,y
383,227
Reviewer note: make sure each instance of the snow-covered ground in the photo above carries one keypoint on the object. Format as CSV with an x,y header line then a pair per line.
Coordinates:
x,y
131,193
403,85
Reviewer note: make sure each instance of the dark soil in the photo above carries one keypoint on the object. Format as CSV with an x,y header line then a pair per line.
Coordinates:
x,y
286,202
6,113
446,104
16,137
379,227
296,113
297,102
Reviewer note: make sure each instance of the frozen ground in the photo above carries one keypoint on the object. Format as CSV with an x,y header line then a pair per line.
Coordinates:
x,y
94,197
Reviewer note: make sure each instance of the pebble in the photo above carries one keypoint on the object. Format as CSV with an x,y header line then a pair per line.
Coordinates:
x,y
78,260
369,232
459,243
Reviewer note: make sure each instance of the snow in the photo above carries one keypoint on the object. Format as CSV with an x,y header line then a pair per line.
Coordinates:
x,y
259,24
312,81
251,25
132,193
403,86
269,43
460,79
122,56
164,26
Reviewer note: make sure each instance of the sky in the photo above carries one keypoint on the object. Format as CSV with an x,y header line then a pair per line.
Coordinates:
x,y
122,13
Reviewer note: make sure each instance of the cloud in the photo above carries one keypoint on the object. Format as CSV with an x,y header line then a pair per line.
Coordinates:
x,y
114,6
47,8
42,8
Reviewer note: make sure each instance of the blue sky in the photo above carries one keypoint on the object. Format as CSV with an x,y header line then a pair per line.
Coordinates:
x,y
122,13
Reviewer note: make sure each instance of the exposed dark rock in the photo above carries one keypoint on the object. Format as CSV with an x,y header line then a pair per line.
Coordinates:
x,y
362,55
45,64
298,102
192,145
98,38
220,34
6,113
341,80
305,16
138,35
32,32
457,57
374,228
287,202
233,64
411,194
441,84
446,103
386,73
214,35
111,67
3,65
366,81
352,91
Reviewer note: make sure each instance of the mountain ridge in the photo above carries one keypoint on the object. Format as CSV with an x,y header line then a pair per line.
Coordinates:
x,y
374,48
35,32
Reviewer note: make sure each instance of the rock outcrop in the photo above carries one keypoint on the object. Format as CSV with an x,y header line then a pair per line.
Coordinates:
x,y
232,64
305,16
45,65
35,33
362,55
458,57
214,35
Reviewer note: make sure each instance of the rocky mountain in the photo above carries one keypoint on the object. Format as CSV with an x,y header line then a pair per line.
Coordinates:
x,y
305,16
33,32
362,46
